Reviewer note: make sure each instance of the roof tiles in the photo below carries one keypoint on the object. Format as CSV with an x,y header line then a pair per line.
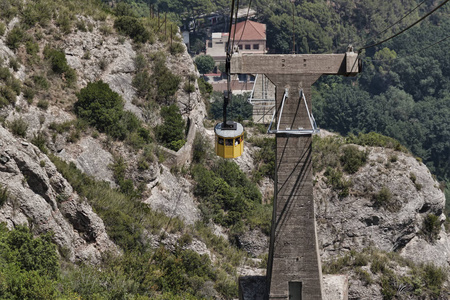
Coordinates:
x,y
253,31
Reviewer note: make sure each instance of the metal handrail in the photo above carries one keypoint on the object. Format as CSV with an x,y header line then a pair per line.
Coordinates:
x,y
299,131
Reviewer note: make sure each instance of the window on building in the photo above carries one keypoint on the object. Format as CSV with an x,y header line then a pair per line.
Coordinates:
x,y
240,47
256,46
247,47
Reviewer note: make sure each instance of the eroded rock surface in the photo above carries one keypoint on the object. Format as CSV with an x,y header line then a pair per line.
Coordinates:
x,y
39,197
354,222
173,196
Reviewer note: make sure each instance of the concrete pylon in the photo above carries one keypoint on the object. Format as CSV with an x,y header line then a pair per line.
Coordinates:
x,y
294,270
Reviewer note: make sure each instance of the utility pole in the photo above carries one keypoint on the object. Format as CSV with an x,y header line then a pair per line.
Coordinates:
x,y
294,268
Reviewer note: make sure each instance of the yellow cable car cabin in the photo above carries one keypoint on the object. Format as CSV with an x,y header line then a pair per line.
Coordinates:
x,y
229,140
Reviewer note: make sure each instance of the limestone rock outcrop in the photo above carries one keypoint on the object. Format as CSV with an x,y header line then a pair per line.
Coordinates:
x,y
355,222
40,198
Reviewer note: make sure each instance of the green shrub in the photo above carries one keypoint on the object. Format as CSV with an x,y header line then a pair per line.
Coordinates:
x,y
36,254
165,81
32,49
40,142
13,64
29,265
264,159
352,159
325,152
239,108
200,148
176,48
57,59
388,288
124,9
140,62
228,196
40,82
101,107
5,74
188,87
204,63
81,26
336,180
43,104
3,102
8,93
4,195
375,140
434,278
59,64
64,22
19,127
132,27
431,227
60,127
15,37
378,266
15,85
205,88
29,94
171,132
2,28
384,199
364,276
142,83
37,12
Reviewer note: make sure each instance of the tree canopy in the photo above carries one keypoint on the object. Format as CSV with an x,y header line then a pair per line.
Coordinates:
x,y
204,63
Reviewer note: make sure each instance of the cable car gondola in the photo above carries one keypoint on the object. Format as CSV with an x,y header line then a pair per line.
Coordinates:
x,y
229,135
229,139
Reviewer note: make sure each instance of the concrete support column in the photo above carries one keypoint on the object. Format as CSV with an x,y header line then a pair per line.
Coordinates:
x,y
294,270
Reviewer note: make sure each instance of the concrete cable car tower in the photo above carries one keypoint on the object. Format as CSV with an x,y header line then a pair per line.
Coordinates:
x,y
294,269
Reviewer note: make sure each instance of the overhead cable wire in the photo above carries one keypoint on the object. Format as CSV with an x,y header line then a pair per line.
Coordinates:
x,y
293,27
245,24
402,18
415,52
235,23
397,34
231,26
229,48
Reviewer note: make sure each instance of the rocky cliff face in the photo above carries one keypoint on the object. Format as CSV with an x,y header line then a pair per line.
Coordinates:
x,y
391,198
39,197
355,222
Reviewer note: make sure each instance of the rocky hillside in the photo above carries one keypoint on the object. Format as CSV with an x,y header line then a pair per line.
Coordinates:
x,y
164,218
380,218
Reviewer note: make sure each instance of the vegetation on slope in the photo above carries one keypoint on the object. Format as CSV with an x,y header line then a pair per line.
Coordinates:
x,y
373,266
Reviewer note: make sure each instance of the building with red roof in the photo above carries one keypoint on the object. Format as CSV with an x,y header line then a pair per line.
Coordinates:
x,y
249,36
